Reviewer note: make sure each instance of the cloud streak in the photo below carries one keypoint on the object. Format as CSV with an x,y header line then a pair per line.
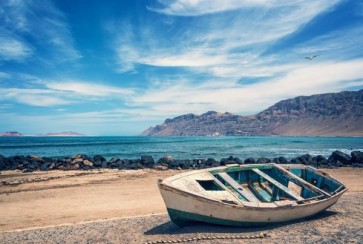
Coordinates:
x,y
43,23
218,44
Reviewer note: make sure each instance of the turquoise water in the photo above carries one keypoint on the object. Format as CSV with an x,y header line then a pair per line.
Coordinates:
x,y
178,147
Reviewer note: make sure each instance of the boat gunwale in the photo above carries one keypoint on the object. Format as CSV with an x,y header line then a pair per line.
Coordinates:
x,y
164,184
305,203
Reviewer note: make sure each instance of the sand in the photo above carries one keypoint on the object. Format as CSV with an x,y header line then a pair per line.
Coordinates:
x,y
126,207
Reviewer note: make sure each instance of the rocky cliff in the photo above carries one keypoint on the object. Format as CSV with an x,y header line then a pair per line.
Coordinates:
x,y
331,114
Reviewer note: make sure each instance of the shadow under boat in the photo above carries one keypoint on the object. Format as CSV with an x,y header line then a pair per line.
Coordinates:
x,y
170,228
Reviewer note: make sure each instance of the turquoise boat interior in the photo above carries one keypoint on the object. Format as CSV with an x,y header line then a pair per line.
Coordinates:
x,y
272,182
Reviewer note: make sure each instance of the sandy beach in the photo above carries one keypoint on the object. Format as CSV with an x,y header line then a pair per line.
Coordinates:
x,y
112,206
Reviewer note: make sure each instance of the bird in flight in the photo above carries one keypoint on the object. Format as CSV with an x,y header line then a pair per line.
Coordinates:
x,y
311,57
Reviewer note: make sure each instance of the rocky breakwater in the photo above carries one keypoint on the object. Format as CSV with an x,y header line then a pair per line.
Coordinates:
x,y
83,162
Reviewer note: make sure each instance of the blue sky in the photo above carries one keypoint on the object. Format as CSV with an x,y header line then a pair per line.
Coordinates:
x,y
117,67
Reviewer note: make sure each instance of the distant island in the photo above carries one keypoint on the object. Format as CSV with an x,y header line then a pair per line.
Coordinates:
x,y
331,114
67,133
10,133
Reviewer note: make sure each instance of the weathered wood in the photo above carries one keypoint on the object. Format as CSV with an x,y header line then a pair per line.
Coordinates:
x,y
278,185
237,187
299,181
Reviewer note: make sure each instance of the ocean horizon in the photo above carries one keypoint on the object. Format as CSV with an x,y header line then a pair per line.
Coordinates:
x,y
191,147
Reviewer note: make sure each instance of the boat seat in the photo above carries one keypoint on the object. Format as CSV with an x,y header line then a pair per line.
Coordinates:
x,y
278,185
299,181
237,187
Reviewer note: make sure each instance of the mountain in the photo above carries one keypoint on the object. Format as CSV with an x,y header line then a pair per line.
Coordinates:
x,y
11,133
331,114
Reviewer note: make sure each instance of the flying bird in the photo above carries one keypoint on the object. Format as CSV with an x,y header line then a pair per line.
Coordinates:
x,y
311,57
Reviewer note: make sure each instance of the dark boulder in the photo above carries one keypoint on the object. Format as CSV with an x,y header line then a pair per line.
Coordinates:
x,y
276,160
211,162
99,158
231,160
44,166
306,159
3,162
295,161
357,157
104,164
320,161
82,157
340,158
283,160
198,163
113,163
165,160
147,161
263,160
250,161
135,164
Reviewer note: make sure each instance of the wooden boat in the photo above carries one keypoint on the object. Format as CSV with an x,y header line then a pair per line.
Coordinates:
x,y
249,195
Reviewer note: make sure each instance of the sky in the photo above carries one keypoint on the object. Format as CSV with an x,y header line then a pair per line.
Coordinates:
x,y
117,67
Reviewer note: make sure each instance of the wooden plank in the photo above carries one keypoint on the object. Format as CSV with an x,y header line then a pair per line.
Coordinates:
x,y
260,193
237,187
278,185
299,181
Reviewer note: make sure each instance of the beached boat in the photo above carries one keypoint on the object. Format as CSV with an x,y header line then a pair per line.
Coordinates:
x,y
249,195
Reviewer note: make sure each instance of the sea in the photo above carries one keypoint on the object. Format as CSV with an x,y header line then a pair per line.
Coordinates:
x,y
132,147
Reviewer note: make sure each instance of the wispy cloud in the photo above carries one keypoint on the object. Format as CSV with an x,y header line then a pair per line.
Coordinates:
x,y
63,92
40,20
201,7
85,88
216,43
12,48
33,97
251,98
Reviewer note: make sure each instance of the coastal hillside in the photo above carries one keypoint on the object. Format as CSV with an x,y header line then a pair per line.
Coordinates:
x,y
331,114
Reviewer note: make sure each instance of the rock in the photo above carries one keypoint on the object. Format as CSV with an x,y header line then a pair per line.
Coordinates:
x,y
223,161
183,164
88,163
99,158
283,160
165,160
295,161
230,160
250,161
52,166
147,161
104,165
77,161
341,157
211,162
263,160
44,166
306,159
113,163
357,157
133,164
320,161
198,163
276,160
3,162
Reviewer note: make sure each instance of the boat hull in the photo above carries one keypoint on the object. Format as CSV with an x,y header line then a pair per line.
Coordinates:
x,y
185,208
